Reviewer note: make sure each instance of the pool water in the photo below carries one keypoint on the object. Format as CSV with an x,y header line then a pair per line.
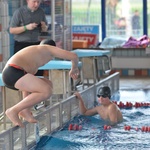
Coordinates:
x,y
92,136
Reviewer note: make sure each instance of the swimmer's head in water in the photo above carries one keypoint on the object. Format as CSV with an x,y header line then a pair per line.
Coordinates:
x,y
49,42
104,92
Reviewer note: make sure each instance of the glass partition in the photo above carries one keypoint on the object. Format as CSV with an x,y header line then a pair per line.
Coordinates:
x,y
124,18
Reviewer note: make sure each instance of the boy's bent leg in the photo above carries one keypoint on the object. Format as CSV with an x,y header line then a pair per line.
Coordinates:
x,y
39,91
26,114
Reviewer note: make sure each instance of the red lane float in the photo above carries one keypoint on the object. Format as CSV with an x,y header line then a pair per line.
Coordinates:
x,y
106,127
130,105
74,127
77,127
128,128
143,128
70,127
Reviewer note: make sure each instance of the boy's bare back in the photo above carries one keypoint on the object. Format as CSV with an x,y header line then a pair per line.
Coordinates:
x,y
33,57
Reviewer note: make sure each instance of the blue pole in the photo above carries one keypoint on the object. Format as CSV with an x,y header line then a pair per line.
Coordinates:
x,y
103,20
145,17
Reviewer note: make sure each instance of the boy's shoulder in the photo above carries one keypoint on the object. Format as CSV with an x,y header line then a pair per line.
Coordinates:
x,y
112,106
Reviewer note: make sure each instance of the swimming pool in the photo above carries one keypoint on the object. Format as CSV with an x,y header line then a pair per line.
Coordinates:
x,y
92,136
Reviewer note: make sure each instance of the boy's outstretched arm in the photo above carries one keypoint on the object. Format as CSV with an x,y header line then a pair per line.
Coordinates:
x,y
83,109
66,55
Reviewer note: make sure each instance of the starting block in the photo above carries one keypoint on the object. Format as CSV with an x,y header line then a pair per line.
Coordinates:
x,y
90,64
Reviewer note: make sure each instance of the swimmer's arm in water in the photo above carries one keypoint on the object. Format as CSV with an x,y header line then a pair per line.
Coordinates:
x,y
83,109
113,115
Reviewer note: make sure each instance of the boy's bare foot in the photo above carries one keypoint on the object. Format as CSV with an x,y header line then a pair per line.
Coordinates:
x,y
27,115
13,116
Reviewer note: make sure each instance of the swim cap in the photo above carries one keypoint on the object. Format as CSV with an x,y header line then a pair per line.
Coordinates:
x,y
104,92
49,42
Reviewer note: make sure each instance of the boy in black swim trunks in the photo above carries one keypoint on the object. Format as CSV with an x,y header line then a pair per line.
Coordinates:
x,y
107,110
19,73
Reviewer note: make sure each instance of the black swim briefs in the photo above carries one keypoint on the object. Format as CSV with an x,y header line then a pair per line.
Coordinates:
x,y
11,75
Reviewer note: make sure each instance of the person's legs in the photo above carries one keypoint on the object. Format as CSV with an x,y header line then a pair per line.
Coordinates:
x,y
26,114
40,90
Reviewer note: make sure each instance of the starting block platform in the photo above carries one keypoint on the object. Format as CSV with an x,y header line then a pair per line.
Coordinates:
x,y
58,64
59,75
91,52
92,61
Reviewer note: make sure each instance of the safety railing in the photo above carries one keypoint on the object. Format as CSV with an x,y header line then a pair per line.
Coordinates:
x,y
51,119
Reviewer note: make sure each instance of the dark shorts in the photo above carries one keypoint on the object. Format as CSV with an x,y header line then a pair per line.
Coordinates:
x,y
11,75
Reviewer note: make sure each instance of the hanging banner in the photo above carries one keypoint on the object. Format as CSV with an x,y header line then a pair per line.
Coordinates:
x,y
91,38
91,33
93,29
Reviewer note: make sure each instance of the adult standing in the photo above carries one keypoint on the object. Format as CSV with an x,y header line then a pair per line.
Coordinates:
x,y
136,23
26,25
